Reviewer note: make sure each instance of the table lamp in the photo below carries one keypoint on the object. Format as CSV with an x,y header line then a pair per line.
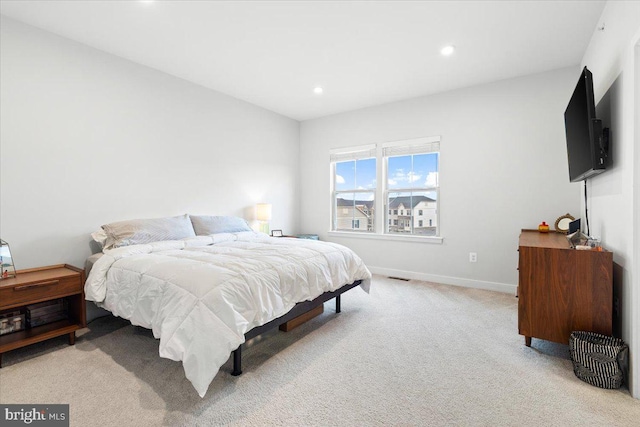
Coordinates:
x,y
263,215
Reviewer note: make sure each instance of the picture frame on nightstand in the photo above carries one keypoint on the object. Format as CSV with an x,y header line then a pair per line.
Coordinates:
x,y
276,233
6,260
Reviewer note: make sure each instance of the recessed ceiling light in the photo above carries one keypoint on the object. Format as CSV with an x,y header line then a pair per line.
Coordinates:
x,y
448,50
318,90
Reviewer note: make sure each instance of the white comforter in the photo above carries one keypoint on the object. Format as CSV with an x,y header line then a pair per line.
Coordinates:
x,y
200,295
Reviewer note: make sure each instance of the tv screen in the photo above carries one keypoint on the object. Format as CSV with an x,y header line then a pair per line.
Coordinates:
x,y
586,148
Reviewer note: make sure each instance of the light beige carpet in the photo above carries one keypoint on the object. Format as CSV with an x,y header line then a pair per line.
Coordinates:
x,y
410,353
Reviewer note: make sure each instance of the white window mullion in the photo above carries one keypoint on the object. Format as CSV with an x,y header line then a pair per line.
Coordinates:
x,y
381,205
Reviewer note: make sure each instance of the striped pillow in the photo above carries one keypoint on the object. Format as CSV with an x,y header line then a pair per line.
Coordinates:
x,y
207,225
139,231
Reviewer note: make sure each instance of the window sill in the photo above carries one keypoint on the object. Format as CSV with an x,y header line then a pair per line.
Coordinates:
x,y
376,236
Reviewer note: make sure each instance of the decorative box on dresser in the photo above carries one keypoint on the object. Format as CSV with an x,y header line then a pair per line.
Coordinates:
x,y
38,285
561,290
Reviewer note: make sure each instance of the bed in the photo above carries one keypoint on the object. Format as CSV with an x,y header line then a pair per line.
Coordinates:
x,y
204,290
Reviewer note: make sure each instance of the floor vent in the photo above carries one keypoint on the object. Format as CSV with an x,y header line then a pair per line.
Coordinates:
x,y
398,278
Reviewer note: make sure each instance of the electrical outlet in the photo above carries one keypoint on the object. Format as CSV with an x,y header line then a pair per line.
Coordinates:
x,y
473,257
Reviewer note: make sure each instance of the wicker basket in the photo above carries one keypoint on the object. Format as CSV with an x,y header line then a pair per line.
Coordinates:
x,y
598,359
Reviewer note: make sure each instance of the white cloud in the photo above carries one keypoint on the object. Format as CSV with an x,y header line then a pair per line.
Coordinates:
x,y
432,179
399,176
339,179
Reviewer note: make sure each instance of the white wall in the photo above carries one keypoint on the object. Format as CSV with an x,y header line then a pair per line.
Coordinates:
x,y
89,138
613,202
503,168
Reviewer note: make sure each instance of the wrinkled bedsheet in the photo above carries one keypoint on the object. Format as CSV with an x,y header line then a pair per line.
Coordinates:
x,y
200,295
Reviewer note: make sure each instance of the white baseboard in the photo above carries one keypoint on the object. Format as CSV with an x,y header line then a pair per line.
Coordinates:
x,y
447,280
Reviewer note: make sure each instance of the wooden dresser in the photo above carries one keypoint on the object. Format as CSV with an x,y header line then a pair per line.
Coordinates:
x,y
562,290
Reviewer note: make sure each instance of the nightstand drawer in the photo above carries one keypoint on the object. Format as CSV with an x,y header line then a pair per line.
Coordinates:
x,y
40,290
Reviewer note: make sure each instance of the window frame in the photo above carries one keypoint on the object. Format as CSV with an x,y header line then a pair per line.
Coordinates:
x,y
416,146
351,154
381,223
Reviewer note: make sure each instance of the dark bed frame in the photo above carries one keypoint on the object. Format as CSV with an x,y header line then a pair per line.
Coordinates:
x,y
297,310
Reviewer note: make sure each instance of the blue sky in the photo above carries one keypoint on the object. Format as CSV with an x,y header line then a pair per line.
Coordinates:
x,y
356,175
404,172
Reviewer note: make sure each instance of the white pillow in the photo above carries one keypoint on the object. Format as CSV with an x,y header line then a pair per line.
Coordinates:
x,y
140,231
99,236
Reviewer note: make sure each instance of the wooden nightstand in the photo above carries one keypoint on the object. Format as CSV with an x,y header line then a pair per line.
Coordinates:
x,y
38,285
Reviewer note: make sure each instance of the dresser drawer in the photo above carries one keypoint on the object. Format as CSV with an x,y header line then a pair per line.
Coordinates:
x,y
40,290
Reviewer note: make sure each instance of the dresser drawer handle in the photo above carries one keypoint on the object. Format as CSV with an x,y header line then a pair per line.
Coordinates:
x,y
35,285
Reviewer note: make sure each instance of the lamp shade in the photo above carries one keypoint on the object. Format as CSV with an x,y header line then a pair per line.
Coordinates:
x,y
263,211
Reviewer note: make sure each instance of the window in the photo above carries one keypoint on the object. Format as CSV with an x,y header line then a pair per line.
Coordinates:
x,y
409,177
411,183
353,189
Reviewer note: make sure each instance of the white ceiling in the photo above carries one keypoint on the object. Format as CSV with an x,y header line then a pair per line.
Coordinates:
x,y
273,53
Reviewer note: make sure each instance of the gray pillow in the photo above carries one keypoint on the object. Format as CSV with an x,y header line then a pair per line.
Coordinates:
x,y
139,231
206,225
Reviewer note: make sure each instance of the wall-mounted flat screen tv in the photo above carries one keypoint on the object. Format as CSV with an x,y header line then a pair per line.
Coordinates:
x,y
587,142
